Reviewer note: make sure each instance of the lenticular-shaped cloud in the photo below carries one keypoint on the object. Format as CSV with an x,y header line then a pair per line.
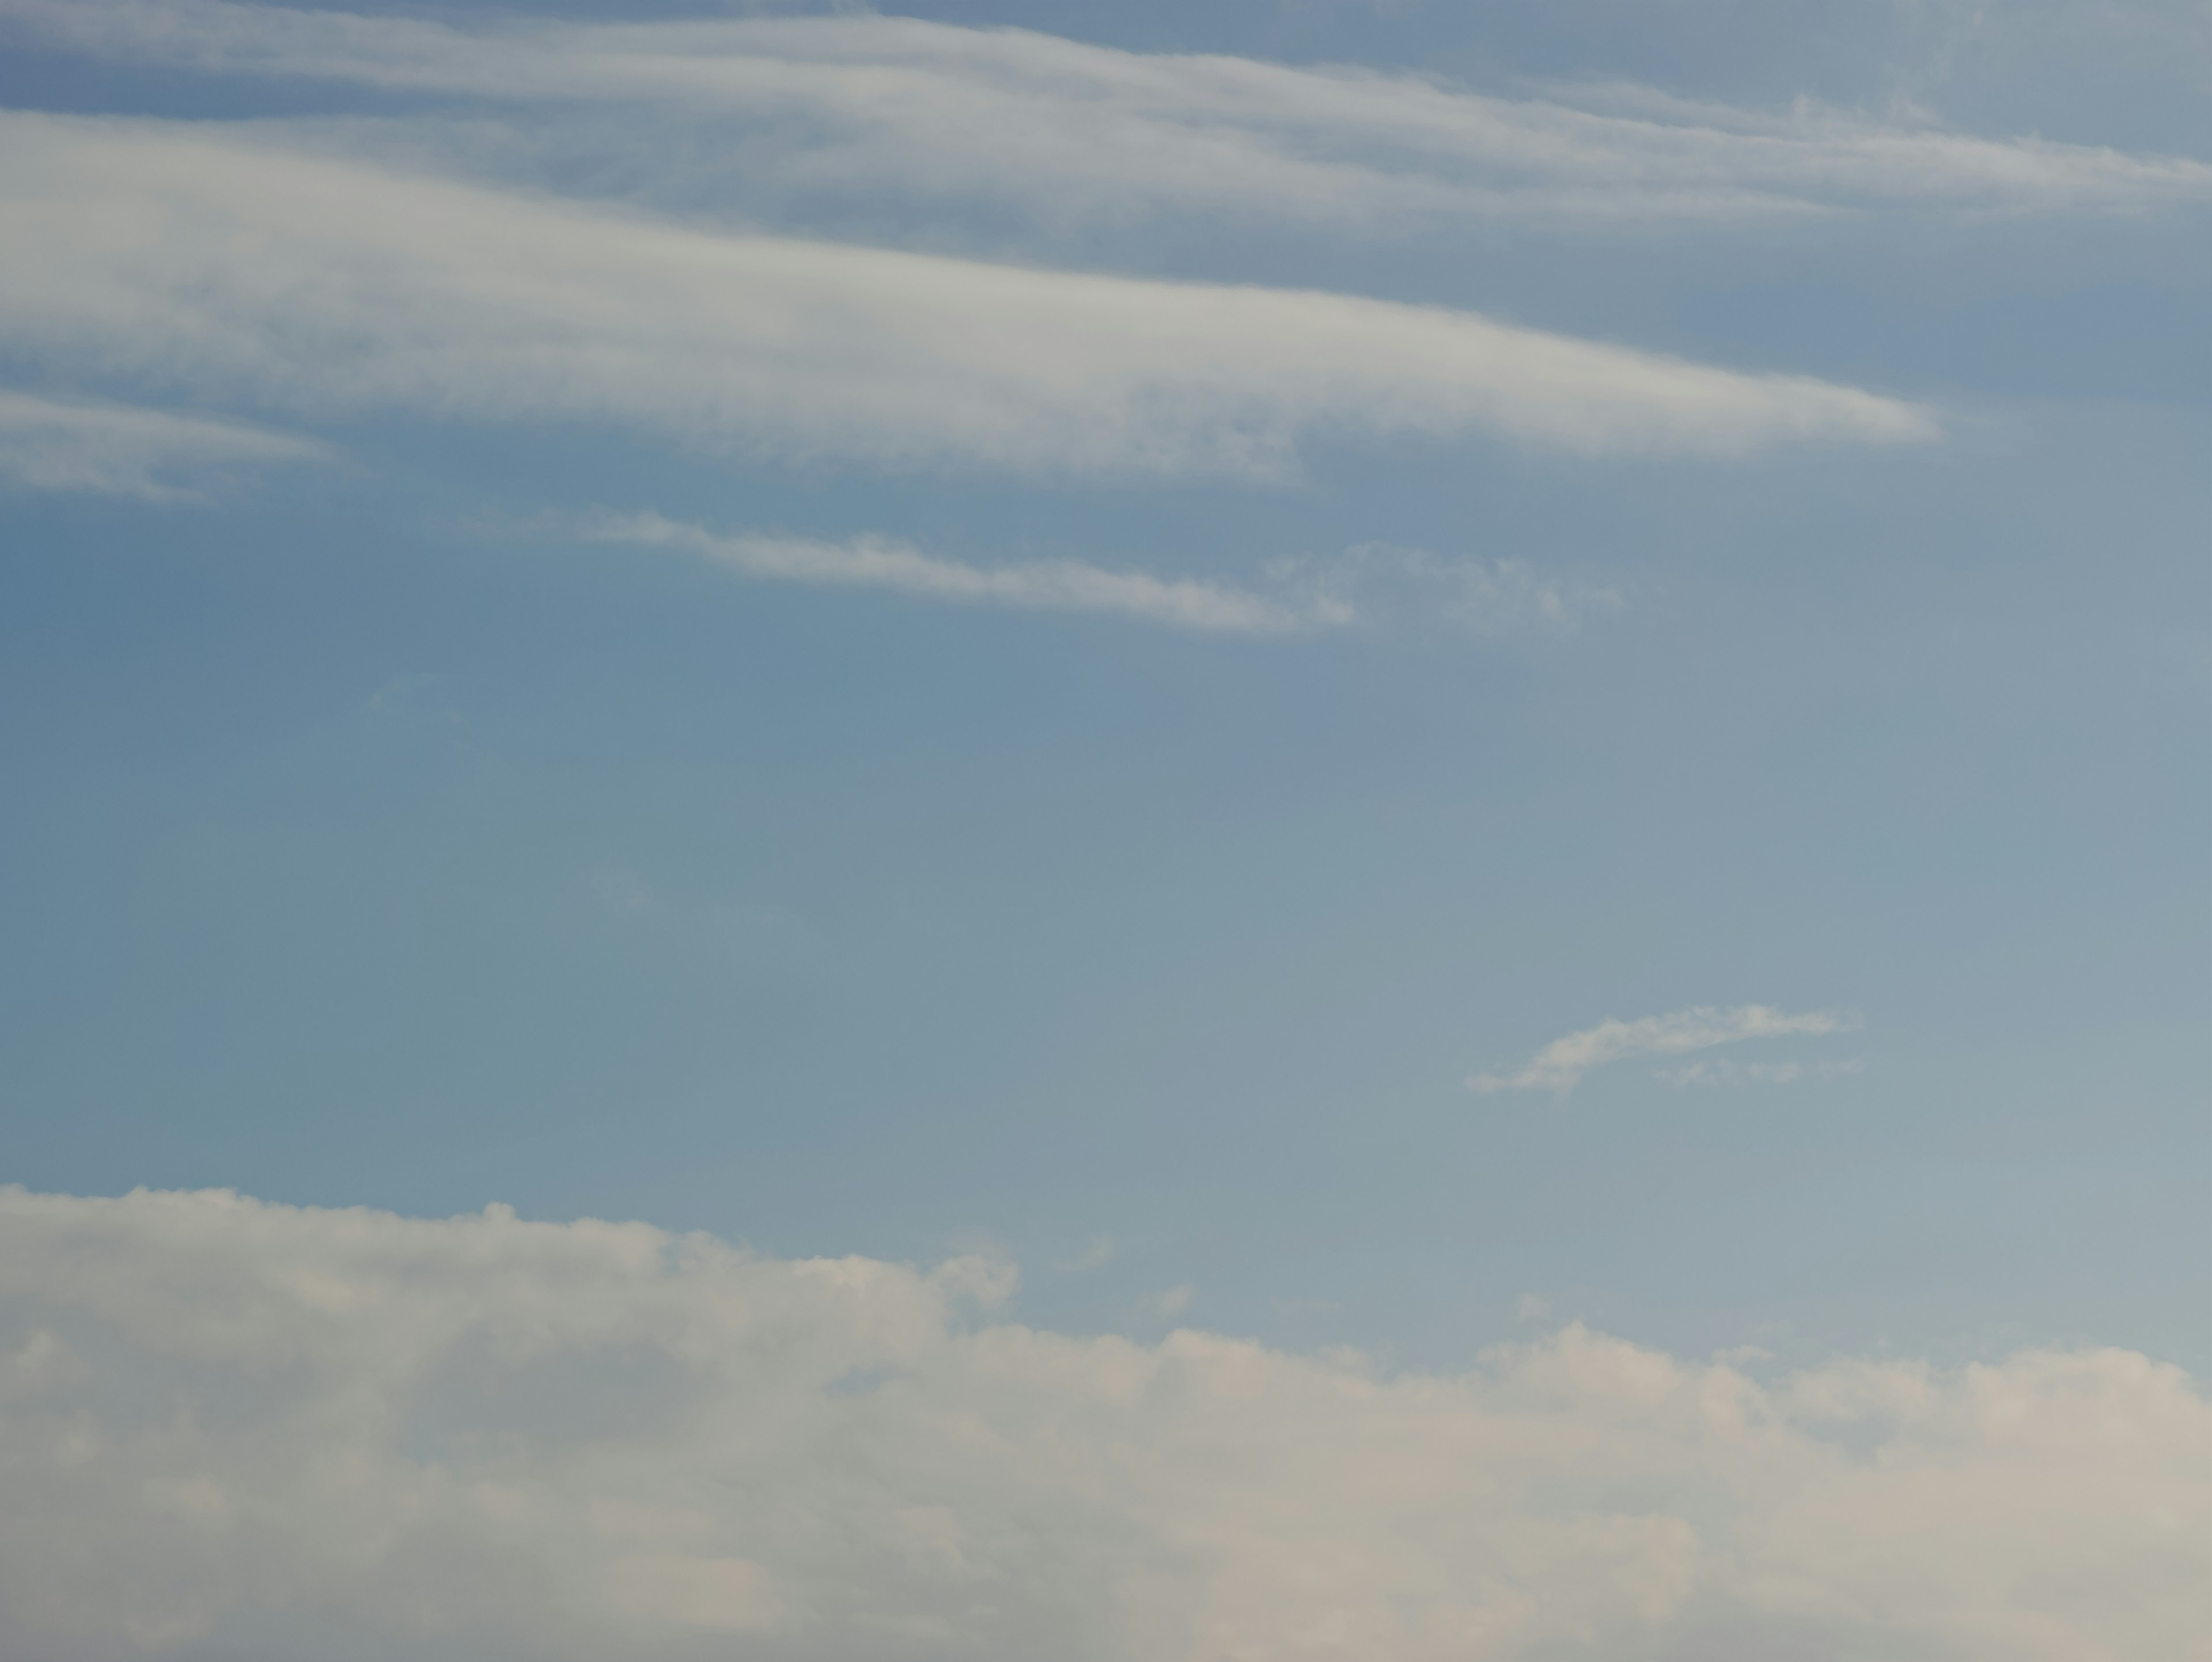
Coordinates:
x,y
1066,128
237,1429
225,262
1560,1065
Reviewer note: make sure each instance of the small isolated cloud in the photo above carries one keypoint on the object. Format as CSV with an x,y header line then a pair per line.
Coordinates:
x,y
1532,1307
625,894
1096,1253
1166,1306
78,444
1560,1065
1721,1071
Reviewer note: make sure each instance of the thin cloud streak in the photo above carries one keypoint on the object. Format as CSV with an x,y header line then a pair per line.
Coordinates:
x,y
1068,129
1560,1065
1378,581
1042,585
1721,1071
1372,587
117,449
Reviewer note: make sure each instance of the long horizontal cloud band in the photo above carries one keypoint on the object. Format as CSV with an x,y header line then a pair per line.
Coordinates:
x,y
238,1429
1069,127
179,252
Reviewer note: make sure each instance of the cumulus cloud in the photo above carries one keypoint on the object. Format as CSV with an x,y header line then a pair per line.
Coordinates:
x,y
1061,128
225,259
79,444
237,1429
1560,1065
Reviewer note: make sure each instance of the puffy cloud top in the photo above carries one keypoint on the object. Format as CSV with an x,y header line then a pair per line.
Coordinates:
x,y
252,1429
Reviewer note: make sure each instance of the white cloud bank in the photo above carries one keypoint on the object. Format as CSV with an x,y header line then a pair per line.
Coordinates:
x,y
1064,129
242,1430
1560,1065
224,261
77,444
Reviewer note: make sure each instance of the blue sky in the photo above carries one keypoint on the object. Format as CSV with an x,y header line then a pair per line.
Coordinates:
x,y
1037,631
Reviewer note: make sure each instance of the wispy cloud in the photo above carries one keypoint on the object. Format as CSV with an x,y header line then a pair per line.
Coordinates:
x,y
1066,129
232,1428
77,444
1722,1071
1372,585
224,260
1560,1065
1167,1305
1098,1252
1041,585
1379,582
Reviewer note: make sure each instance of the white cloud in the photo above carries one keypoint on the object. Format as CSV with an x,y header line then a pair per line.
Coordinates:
x,y
1721,1071
246,1430
1098,1252
1560,1065
625,894
1064,129
1043,586
1373,584
1168,1303
1376,583
79,444
225,261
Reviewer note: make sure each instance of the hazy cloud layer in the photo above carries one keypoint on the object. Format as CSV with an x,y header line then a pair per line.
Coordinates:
x,y
77,444
1560,1065
210,257
1061,128
245,1430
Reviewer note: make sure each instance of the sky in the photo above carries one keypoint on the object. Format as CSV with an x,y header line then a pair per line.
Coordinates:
x,y
1354,831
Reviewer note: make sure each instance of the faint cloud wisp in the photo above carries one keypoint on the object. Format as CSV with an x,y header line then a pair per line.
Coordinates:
x,y
1560,1065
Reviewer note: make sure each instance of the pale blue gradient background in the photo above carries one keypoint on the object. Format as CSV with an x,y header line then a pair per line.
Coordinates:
x,y
368,845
